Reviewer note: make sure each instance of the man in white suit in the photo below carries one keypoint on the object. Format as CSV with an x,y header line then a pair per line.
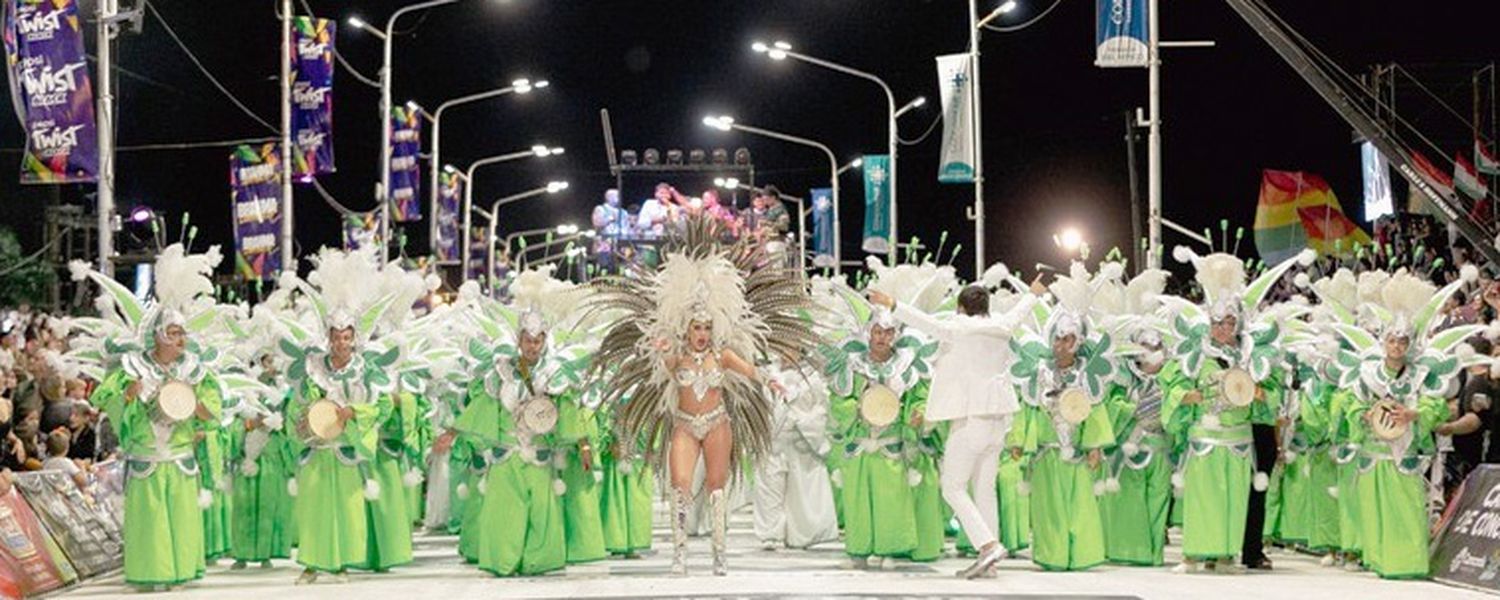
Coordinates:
x,y
971,387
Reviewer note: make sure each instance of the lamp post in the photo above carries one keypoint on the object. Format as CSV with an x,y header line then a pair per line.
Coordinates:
x,y
783,51
519,86
388,38
724,123
976,25
539,151
551,188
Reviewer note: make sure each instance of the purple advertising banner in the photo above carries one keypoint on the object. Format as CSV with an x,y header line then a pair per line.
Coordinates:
x,y
49,78
406,173
312,97
255,197
479,252
449,216
361,230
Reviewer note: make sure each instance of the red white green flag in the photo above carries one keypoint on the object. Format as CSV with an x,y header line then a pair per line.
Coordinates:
x,y
1487,163
1467,179
1440,180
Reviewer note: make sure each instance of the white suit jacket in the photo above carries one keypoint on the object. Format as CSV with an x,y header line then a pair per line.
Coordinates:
x,y
971,373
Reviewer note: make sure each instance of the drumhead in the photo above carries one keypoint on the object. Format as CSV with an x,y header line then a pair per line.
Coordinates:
x,y
323,420
1074,405
879,405
538,415
1237,387
1383,420
177,401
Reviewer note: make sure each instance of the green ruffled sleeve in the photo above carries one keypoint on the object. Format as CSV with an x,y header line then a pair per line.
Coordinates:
x,y
1023,432
1431,412
1337,429
1178,418
363,431
574,422
109,397
1118,408
1096,431
1354,427
916,406
210,395
1266,411
480,420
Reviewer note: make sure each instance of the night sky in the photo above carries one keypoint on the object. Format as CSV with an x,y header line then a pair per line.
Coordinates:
x,y
1054,124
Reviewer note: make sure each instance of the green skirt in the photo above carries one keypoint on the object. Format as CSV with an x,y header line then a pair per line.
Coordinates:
x,y
519,527
163,528
626,501
333,523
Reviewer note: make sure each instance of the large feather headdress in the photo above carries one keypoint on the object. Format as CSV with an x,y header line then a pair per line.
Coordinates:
x,y
181,295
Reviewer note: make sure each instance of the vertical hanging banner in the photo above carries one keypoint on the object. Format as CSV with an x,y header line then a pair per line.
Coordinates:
x,y
406,173
361,230
1379,200
822,237
449,217
312,97
49,79
255,199
1120,35
956,164
877,171
479,252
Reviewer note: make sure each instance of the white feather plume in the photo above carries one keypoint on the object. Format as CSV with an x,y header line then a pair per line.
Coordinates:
x,y
183,277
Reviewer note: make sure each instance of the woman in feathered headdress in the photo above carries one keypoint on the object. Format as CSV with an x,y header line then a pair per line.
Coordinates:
x,y
681,353
1230,350
159,395
1394,376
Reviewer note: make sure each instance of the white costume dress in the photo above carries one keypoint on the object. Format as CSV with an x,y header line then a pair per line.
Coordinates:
x,y
793,493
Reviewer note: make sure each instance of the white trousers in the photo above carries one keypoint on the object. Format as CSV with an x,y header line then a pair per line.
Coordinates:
x,y
971,460
794,498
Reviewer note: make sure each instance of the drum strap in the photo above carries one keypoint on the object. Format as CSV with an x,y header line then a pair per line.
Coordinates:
x,y
141,467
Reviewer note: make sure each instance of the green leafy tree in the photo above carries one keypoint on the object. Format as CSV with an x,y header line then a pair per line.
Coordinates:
x,y
23,278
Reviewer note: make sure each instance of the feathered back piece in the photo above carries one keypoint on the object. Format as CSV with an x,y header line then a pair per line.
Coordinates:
x,y
347,288
757,308
925,286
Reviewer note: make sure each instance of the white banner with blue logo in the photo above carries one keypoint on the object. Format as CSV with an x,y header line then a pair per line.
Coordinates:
x,y
954,78
1120,33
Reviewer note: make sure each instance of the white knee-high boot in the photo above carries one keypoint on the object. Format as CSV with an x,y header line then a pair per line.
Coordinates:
x,y
719,506
680,503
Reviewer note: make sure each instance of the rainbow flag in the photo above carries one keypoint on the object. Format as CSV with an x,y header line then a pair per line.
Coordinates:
x,y
1298,210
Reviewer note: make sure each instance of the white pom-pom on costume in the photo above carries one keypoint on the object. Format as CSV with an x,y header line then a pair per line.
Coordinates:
x,y
1112,485
1302,281
78,270
1261,481
1492,333
1306,257
1183,254
1463,352
1469,273
412,478
1131,448
559,487
1211,421
837,477
1178,482
1099,488
250,468
1288,457
560,460
221,484
462,491
1066,453
287,280
913,478
372,489
598,476
205,498
274,422
291,487
625,467
1023,488
1333,491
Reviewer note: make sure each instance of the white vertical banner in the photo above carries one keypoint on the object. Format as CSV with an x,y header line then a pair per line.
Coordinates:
x,y
956,164
1377,175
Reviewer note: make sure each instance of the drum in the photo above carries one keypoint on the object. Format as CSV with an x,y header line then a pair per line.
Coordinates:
x,y
1074,405
879,405
538,415
176,401
1383,420
1237,387
323,420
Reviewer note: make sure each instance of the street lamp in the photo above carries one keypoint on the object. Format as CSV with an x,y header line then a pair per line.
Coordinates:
x,y
727,123
782,51
1069,239
538,151
976,25
853,164
388,38
519,86
494,214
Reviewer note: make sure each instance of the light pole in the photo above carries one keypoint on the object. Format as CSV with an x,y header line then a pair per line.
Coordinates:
x,y
725,123
519,86
976,25
388,38
551,188
539,151
783,51
109,15
853,164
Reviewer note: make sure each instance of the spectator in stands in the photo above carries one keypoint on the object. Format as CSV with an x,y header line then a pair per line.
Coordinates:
x,y
611,224
57,459
716,209
85,441
27,451
656,212
777,222
56,413
1472,417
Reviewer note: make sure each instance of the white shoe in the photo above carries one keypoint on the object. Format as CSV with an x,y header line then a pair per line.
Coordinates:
x,y
770,545
307,577
1328,561
855,563
888,564
1353,566
984,562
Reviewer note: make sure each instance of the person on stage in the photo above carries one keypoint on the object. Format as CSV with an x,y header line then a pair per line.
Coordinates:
x,y
680,347
161,398
972,392
793,496
1063,426
1231,354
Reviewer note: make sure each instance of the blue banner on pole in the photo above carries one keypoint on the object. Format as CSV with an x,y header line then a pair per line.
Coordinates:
x,y
822,237
255,197
312,97
406,173
52,92
1120,35
877,171
449,216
